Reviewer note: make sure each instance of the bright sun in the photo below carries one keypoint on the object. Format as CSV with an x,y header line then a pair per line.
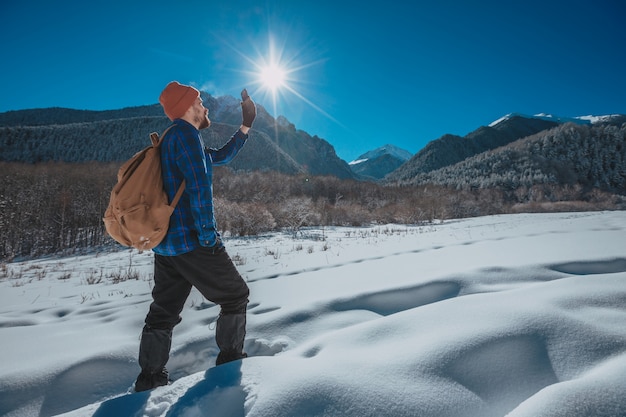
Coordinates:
x,y
272,77
274,72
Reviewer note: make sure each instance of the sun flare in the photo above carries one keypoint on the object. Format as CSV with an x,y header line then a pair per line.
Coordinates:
x,y
278,75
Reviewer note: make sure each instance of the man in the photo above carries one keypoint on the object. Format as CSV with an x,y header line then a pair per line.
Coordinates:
x,y
192,253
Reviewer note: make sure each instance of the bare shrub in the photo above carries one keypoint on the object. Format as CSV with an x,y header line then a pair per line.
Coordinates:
x,y
243,219
123,276
295,213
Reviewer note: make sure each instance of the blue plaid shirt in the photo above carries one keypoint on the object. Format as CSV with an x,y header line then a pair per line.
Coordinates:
x,y
184,156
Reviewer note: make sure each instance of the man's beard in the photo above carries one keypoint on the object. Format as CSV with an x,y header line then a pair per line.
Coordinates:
x,y
204,122
201,119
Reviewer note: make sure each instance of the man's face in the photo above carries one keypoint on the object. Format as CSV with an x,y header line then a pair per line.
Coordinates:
x,y
200,115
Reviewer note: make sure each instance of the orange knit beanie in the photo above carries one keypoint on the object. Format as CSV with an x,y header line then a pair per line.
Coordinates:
x,y
176,98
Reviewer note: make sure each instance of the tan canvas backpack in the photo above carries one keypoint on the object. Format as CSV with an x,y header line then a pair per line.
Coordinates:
x,y
138,214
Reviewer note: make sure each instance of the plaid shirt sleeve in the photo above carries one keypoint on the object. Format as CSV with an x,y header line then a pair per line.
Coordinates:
x,y
226,153
183,156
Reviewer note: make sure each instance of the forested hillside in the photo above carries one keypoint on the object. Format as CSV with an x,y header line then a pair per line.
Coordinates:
x,y
586,155
65,135
451,149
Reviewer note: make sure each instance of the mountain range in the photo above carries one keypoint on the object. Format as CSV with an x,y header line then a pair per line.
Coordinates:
x,y
514,150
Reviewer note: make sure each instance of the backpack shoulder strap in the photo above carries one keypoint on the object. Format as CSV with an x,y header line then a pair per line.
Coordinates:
x,y
156,141
179,194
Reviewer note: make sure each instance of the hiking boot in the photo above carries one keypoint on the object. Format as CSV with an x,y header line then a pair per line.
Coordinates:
x,y
146,381
229,356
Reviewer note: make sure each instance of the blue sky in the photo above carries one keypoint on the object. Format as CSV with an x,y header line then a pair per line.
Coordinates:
x,y
359,74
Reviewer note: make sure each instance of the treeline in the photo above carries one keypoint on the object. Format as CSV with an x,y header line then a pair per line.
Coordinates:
x,y
57,207
52,207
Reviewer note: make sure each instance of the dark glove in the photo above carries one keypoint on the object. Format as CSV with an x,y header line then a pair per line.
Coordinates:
x,y
248,109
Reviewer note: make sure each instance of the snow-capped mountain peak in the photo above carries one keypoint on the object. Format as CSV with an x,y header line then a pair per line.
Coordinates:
x,y
379,162
388,149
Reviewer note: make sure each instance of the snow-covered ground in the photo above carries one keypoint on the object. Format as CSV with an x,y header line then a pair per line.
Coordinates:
x,y
521,314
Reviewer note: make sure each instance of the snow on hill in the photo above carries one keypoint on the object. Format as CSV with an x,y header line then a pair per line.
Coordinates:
x,y
521,314
599,119
559,119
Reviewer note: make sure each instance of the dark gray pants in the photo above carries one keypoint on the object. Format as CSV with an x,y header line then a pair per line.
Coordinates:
x,y
213,273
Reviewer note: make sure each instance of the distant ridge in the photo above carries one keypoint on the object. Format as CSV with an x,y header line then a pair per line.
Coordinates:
x,y
61,115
